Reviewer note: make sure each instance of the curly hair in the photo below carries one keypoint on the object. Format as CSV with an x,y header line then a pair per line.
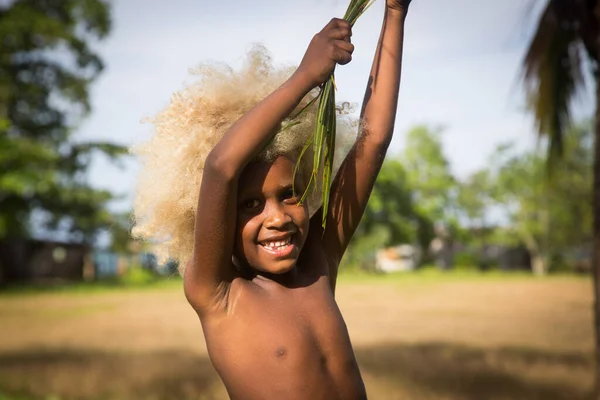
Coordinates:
x,y
193,122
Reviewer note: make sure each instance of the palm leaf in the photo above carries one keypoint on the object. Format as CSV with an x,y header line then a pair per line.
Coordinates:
x,y
552,71
323,137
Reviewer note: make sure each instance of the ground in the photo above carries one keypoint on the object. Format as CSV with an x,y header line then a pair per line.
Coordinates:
x,y
415,337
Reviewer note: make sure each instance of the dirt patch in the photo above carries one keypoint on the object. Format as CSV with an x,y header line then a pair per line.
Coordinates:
x,y
448,371
425,371
69,374
529,339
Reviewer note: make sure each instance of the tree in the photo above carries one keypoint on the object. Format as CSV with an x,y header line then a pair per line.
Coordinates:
x,y
434,190
390,217
547,216
121,240
567,31
521,188
474,200
428,174
46,67
474,197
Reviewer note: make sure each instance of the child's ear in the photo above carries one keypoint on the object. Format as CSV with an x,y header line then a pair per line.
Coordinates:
x,y
236,263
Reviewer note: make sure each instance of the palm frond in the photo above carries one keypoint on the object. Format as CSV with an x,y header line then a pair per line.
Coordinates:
x,y
552,70
323,137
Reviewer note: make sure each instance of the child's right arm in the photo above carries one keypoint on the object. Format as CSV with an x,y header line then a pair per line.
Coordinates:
x,y
210,270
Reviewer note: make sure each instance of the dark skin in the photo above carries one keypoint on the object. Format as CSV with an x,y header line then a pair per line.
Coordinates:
x,y
271,323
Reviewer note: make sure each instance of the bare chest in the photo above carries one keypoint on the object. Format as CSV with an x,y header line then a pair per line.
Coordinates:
x,y
288,339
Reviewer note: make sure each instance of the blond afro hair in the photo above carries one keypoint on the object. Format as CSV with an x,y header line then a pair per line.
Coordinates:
x,y
195,119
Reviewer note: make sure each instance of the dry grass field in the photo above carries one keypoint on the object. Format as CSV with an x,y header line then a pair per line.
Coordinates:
x,y
486,338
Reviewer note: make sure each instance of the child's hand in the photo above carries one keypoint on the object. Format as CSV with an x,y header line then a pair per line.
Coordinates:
x,y
329,47
400,5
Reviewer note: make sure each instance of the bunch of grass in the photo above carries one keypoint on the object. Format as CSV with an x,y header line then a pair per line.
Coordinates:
x,y
323,138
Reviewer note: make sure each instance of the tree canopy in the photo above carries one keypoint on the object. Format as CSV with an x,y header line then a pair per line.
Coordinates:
x,y
46,67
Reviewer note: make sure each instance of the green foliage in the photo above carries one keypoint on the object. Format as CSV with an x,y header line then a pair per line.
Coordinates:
x,y
466,260
411,194
323,137
138,276
475,196
429,176
549,216
553,68
46,67
390,217
391,205
120,230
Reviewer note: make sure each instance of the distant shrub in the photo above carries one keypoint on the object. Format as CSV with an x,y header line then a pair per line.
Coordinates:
x,y
466,260
138,276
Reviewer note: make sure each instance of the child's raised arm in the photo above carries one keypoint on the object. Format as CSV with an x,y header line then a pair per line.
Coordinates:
x,y
207,278
353,184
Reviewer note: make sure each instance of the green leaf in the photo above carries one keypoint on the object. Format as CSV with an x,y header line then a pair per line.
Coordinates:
x,y
323,138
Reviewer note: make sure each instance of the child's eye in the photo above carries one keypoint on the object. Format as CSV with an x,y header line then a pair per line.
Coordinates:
x,y
251,204
289,196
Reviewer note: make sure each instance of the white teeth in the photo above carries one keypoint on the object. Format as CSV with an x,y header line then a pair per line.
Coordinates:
x,y
277,244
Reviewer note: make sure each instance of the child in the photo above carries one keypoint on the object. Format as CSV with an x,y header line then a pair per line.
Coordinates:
x,y
262,272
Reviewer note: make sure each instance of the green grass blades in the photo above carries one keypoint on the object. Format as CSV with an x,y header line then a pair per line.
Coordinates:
x,y
323,138
356,9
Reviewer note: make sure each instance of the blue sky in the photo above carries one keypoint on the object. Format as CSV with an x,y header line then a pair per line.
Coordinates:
x,y
461,67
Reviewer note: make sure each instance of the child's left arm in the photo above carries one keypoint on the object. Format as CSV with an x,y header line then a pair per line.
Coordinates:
x,y
353,184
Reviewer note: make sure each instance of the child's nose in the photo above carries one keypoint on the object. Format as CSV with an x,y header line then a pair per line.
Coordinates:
x,y
277,218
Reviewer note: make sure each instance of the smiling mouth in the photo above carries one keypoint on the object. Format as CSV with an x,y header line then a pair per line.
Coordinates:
x,y
279,248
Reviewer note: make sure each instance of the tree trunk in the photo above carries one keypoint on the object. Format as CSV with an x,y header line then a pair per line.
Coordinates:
x,y
539,260
596,232
539,266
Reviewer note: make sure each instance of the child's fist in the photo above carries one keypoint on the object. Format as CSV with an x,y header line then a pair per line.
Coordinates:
x,y
401,5
329,47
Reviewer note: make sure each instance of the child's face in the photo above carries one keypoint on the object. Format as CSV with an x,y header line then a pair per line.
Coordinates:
x,y
271,226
